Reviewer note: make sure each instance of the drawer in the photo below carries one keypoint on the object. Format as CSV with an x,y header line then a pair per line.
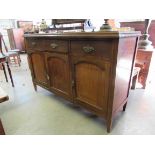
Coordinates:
x,y
34,44
47,45
92,48
56,45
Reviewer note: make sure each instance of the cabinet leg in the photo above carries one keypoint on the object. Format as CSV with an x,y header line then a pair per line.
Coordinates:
x,y
35,86
5,72
134,80
124,107
109,125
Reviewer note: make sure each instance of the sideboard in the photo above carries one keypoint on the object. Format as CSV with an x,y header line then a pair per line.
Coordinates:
x,y
90,69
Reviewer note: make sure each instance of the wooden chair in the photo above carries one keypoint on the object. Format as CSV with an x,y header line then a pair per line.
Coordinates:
x,y
3,97
13,55
2,132
3,61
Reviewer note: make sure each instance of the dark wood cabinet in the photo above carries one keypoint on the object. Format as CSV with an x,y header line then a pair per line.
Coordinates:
x,y
92,70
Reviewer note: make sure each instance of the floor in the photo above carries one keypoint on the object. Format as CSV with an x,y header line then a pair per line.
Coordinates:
x,y
43,113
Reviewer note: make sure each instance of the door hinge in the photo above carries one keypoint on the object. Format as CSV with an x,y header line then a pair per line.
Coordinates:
x,y
47,76
73,83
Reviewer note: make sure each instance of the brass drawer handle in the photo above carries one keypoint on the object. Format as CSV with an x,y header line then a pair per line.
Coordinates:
x,y
33,43
54,45
88,49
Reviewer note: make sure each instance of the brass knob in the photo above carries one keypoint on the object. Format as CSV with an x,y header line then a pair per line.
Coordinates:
x,y
33,43
88,49
54,45
73,83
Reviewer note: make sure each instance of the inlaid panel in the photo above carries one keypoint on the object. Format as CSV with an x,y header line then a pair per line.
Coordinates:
x,y
91,85
39,70
59,73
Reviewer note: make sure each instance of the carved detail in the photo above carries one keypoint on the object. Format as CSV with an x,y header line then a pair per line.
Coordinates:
x,y
88,49
33,43
144,42
54,45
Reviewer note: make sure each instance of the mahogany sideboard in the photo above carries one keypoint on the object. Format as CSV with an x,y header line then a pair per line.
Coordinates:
x,y
91,69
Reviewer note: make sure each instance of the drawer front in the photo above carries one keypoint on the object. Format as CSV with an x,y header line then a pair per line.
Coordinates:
x,y
34,44
56,45
92,48
47,45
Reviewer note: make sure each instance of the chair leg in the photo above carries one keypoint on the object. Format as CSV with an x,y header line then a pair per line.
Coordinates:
x,y
2,132
5,72
9,70
9,60
14,59
18,59
134,80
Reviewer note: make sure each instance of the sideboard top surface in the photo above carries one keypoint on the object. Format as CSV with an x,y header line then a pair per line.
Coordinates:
x,y
104,34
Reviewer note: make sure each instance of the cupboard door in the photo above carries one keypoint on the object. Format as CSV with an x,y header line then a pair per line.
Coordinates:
x,y
59,74
37,66
91,83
